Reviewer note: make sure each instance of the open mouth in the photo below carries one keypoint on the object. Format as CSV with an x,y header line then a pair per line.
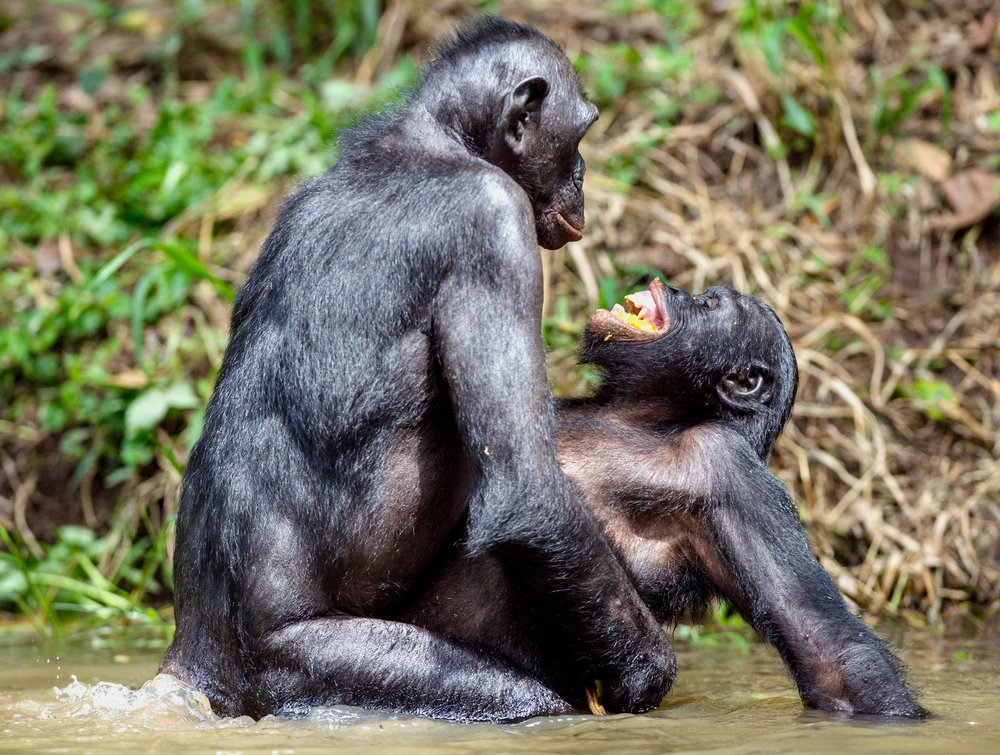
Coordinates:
x,y
644,314
573,230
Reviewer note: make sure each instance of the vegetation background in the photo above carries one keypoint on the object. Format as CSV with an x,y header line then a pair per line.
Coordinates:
x,y
838,158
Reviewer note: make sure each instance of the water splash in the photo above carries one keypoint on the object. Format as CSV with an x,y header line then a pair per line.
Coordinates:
x,y
160,701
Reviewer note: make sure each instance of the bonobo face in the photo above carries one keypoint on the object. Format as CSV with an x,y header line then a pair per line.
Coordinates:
x,y
545,117
558,202
721,354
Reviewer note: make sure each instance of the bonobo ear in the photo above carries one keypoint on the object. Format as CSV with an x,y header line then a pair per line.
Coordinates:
x,y
526,98
744,387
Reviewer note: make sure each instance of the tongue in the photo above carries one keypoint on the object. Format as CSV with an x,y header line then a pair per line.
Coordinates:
x,y
643,305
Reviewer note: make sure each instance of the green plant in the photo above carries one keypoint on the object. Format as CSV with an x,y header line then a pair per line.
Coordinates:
x,y
67,578
903,91
724,628
780,31
929,395
865,276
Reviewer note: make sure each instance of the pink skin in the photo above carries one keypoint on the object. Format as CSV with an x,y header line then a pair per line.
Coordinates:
x,y
646,304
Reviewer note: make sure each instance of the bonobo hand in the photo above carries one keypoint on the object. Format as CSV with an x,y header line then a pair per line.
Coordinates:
x,y
642,681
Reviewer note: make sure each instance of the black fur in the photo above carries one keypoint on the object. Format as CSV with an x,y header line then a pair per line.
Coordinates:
x,y
670,455
383,392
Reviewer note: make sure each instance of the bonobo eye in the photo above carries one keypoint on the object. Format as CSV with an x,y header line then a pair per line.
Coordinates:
x,y
708,302
745,383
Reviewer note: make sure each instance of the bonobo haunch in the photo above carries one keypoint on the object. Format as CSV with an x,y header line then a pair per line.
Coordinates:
x,y
343,450
670,456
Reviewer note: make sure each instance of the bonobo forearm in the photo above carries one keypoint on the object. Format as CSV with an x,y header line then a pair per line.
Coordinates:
x,y
773,578
572,576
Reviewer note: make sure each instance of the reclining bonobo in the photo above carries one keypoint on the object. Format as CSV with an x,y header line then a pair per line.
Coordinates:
x,y
670,456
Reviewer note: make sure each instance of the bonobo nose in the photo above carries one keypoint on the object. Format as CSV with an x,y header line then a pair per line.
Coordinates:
x,y
678,293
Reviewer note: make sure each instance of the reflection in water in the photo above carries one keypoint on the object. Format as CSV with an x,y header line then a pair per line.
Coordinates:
x,y
93,700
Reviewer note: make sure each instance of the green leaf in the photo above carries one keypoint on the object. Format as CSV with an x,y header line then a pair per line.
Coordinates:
x,y
12,581
930,395
52,416
146,411
139,296
800,28
76,536
112,266
773,43
181,396
608,292
150,407
797,117
188,262
338,94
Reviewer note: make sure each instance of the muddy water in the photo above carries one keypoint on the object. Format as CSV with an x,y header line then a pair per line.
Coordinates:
x,y
97,697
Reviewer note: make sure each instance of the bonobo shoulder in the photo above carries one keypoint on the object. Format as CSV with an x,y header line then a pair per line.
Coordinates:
x,y
502,198
499,211
716,448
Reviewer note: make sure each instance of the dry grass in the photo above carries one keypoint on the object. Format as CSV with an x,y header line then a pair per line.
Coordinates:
x,y
899,485
902,498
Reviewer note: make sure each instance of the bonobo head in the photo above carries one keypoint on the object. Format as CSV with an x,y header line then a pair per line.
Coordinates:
x,y
512,97
721,355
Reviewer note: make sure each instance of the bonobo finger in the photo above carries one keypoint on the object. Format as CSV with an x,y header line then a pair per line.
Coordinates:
x,y
644,683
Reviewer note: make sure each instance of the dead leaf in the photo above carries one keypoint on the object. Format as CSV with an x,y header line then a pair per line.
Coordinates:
x,y
129,379
47,258
929,159
973,194
67,260
982,33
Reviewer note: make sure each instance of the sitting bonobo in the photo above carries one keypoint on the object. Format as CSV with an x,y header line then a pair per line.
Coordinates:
x,y
366,415
670,456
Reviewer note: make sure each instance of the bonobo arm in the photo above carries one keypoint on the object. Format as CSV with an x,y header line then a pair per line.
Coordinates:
x,y
758,557
522,506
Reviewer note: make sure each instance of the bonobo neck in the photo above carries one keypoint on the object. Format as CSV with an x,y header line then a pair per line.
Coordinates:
x,y
649,414
663,416
762,431
469,117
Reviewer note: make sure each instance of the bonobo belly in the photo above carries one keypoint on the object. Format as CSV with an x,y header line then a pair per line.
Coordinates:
x,y
419,503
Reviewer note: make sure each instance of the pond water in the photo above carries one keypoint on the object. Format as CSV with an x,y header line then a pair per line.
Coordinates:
x,y
97,697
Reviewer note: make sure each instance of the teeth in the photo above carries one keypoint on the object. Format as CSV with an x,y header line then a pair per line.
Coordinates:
x,y
632,319
642,304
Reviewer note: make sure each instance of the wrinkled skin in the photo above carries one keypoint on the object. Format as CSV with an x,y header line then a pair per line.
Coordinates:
x,y
384,393
670,455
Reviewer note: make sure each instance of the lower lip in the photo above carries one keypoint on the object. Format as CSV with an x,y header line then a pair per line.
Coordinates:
x,y
574,234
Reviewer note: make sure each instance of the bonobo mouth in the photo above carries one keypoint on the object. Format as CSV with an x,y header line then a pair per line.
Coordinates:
x,y
573,229
645,318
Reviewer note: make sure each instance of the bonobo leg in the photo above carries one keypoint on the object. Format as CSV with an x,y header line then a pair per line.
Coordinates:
x,y
759,559
391,666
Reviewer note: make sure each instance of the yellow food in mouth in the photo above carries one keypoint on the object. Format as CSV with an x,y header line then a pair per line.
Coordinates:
x,y
633,320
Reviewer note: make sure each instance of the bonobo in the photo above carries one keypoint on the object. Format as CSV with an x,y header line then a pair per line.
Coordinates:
x,y
384,392
670,456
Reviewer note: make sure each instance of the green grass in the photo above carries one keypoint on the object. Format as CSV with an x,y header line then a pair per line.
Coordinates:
x,y
109,355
